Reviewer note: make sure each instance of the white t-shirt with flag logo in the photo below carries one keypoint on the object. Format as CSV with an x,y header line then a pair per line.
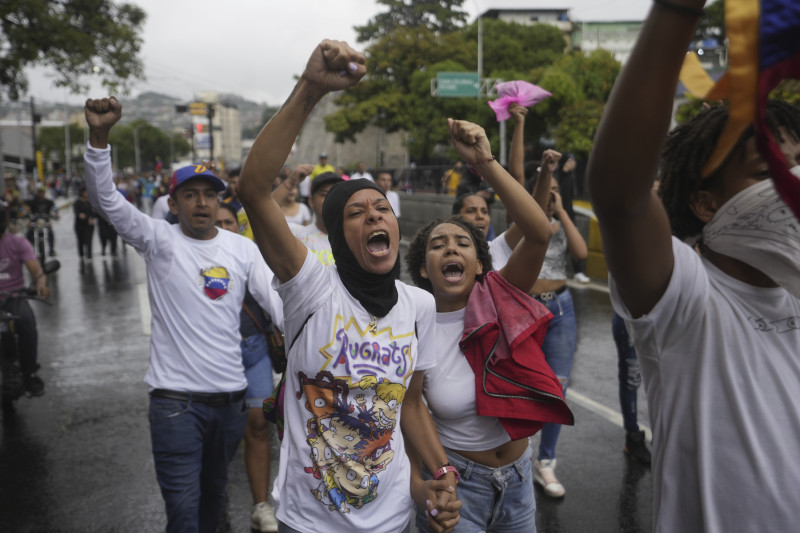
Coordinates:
x,y
196,288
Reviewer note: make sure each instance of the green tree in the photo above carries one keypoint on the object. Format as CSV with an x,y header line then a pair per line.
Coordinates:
x,y
52,143
712,24
580,84
439,16
395,95
75,38
153,143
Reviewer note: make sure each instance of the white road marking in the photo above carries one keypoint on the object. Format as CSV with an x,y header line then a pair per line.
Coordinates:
x,y
612,415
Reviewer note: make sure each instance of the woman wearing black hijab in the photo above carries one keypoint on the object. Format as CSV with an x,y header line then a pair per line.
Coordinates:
x,y
358,341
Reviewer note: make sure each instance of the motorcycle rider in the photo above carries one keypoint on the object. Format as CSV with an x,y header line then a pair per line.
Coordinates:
x,y
15,251
41,205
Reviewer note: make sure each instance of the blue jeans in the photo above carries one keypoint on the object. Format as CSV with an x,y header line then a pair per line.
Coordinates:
x,y
257,369
629,375
492,499
559,352
192,446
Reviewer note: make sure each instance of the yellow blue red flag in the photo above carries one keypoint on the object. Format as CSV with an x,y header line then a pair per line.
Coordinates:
x,y
763,51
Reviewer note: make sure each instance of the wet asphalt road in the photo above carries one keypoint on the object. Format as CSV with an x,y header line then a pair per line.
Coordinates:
x,y
78,458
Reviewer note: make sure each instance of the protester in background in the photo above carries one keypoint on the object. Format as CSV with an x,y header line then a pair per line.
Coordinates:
x,y
706,279
43,206
322,166
384,182
108,236
566,187
294,211
230,196
342,174
452,178
15,252
629,378
84,225
362,173
255,327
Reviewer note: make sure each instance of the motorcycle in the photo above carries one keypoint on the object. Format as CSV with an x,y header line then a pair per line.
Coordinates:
x,y
13,386
39,222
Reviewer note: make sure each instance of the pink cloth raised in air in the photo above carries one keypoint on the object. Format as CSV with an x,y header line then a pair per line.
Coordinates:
x,y
516,92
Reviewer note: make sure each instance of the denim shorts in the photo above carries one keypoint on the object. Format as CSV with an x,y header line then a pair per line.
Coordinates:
x,y
257,369
492,499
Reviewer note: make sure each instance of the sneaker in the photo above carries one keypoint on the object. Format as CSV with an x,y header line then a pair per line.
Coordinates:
x,y
52,253
34,385
544,473
580,277
635,447
262,518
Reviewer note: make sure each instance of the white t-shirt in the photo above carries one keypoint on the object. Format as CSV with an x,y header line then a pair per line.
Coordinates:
x,y
196,289
315,240
343,466
449,389
160,207
304,187
302,217
394,201
500,250
360,176
721,367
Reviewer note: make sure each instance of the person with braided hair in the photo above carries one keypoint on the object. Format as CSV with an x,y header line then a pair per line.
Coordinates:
x,y
709,288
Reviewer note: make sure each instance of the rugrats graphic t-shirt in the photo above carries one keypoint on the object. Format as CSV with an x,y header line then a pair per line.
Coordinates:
x,y
343,466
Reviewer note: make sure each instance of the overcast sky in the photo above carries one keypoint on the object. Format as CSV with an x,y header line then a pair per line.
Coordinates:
x,y
254,47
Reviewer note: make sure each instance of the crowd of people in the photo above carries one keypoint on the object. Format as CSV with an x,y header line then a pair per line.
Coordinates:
x,y
402,403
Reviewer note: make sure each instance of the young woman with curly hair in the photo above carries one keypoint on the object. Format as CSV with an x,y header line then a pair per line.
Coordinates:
x,y
485,442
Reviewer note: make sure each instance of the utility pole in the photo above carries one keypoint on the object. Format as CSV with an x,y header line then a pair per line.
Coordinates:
x,y
210,115
33,138
67,146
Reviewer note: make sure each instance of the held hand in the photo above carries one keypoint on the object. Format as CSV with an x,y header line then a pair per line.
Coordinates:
x,y
550,159
444,516
102,113
469,140
518,113
439,500
334,65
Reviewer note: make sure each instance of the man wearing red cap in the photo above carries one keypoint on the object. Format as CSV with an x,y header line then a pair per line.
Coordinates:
x,y
196,278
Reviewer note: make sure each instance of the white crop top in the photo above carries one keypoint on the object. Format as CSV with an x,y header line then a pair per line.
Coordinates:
x,y
449,389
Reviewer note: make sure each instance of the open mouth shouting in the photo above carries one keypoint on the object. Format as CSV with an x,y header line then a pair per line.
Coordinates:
x,y
453,272
378,243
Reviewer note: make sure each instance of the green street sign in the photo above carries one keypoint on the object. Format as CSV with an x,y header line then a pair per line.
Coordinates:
x,y
458,84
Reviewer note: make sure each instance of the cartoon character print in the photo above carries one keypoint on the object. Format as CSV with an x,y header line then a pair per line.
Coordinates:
x,y
349,441
351,483
216,281
382,416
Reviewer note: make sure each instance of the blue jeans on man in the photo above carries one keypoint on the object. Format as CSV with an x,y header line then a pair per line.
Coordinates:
x,y
628,373
192,446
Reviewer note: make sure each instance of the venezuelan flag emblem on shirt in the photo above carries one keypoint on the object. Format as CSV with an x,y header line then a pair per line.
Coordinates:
x,y
763,52
215,282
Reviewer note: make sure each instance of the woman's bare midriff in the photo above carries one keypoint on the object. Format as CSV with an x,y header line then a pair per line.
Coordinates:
x,y
546,285
502,455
